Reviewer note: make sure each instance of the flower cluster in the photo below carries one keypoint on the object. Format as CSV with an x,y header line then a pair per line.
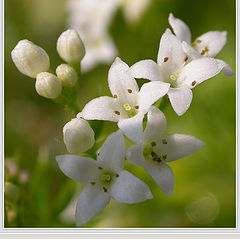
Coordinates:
x,y
181,66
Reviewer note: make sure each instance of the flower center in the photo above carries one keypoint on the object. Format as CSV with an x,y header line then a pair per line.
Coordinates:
x,y
149,154
203,50
131,112
106,178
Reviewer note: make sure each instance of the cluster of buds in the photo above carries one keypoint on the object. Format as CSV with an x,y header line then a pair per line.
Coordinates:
x,y
33,61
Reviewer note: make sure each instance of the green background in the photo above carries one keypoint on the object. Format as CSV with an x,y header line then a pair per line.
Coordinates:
x,y
33,124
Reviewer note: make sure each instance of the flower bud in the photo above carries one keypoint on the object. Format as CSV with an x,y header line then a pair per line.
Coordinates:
x,y
48,85
11,192
30,59
78,136
67,75
70,47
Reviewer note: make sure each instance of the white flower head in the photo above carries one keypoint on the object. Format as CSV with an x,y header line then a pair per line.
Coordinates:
x,y
156,150
208,44
67,75
70,46
78,136
48,85
105,178
175,67
128,104
29,58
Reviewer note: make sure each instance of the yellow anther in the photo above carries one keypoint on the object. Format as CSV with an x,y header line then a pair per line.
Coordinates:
x,y
206,49
202,53
127,107
193,44
199,41
172,77
177,73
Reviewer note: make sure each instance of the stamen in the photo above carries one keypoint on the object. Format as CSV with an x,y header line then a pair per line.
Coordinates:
x,y
172,77
202,53
199,41
117,112
193,44
104,189
153,144
127,107
165,59
193,83
186,58
136,107
129,91
164,157
177,73
92,183
206,49
164,141
115,96
100,168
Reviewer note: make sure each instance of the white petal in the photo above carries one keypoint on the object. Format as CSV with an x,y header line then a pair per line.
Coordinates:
x,y
129,189
146,69
191,52
198,71
163,175
120,79
179,146
92,200
132,127
213,40
101,108
150,93
156,125
82,170
226,69
135,155
112,153
180,99
171,50
180,28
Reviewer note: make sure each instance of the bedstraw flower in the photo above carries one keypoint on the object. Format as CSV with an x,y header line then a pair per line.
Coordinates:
x,y
29,58
78,136
128,105
105,178
156,150
174,66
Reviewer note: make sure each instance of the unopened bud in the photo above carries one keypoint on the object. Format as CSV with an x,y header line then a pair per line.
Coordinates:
x,y
48,85
67,75
78,136
70,47
30,59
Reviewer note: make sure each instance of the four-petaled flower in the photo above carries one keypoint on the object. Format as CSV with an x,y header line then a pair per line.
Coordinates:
x,y
174,66
128,105
208,44
155,150
105,178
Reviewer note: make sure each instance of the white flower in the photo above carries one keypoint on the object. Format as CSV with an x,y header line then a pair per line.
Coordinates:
x,y
128,105
174,67
70,47
29,58
78,136
48,85
105,178
155,150
207,45
67,75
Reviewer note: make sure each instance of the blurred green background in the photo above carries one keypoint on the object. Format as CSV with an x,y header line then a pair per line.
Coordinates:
x,y
204,192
